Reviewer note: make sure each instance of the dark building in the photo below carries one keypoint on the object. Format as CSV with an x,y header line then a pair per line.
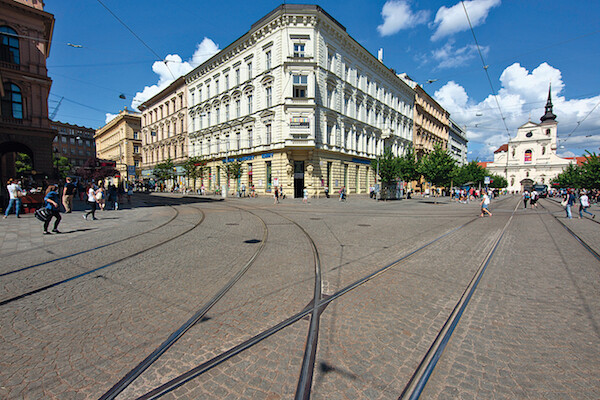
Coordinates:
x,y
73,142
25,37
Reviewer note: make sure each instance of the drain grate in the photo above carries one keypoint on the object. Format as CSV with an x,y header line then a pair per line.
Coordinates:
x,y
364,225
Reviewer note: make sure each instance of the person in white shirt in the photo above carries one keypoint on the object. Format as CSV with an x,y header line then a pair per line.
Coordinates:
x,y
14,193
584,204
485,202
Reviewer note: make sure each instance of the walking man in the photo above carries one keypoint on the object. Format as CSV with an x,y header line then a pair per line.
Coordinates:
x,y
68,193
14,193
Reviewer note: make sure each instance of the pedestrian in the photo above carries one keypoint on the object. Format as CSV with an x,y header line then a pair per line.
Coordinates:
x,y
485,202
276,195
129,192
342,193
14,193
92,200
68,193
526,198
584,204
327,191
52,203
243,190
569,202
305,195
101,197
534,199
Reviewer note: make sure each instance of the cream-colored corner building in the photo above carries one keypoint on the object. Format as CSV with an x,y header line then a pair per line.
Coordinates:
x,y
164,128
530,157
120,141
300,103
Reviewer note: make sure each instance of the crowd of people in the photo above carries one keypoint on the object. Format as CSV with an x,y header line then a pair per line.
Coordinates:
x,y
584,197
56,198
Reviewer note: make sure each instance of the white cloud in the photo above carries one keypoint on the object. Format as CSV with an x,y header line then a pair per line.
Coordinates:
x,y
449,21
397,15
109,117
522,96
449,57
172,68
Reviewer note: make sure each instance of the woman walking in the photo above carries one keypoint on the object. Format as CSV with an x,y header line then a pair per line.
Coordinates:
x,y
584,204
51,202
14,193
91,199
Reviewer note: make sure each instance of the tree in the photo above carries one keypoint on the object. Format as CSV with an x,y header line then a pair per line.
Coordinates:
x,y
62,166
193,168
498,181
388,167
233,169
590,171
437,167
23,163
164,170
569,178
409,166
471,172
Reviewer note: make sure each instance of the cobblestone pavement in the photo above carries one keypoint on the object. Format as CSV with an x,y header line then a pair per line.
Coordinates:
x,y
531,330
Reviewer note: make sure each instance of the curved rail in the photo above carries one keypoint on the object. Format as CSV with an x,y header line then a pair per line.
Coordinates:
x,y
52,285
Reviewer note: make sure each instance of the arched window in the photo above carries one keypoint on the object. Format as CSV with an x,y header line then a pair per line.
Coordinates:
x,y
9,45
528,156
12,102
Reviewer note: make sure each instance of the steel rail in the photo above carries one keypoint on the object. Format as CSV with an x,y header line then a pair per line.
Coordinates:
x,y
219,359
418,380
175,336
52,285
576,236
92,249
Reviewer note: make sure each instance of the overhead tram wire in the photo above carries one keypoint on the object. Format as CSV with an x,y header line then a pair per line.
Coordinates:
x,y
580,122
485,68
137,37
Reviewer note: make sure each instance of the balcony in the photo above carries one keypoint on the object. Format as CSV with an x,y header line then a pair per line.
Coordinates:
x,y
9,65
12,121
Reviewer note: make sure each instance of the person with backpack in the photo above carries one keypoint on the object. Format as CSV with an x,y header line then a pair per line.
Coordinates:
x,y
52,203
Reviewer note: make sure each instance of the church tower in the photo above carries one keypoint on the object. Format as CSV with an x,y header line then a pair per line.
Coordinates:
x,y
549,115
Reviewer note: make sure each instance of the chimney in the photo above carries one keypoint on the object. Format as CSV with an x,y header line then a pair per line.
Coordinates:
x,y
380,55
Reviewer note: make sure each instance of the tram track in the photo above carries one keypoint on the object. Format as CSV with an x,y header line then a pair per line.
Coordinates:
x,y
313,311
104,266
103,246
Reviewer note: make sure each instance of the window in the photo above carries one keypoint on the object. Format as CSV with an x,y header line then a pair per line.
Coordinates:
x,y
269,175
136,135
249,70
9,45
72,140
268,59
192,97
208,91
237,76
226,112
216,86
249,104
12,102
226,82
238,140
298,50
199,96
269,138
300,82
218,114
63,139
136,163
208,118
237,108
249,137
136,149
269,93
330,60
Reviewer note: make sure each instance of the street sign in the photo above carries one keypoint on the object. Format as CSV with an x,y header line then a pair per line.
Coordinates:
x,y
486,180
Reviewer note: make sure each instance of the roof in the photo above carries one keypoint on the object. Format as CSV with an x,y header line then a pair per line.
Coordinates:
x,y
578,160
484,164
502,148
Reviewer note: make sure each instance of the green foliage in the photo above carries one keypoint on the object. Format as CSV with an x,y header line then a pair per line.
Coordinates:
x,y
471,172
165,170
569,178
409,166
437,167
388,167
590,171
23,163
62,166
498,181
233,169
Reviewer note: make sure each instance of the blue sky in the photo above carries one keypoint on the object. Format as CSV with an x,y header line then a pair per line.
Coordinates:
x,y
526,45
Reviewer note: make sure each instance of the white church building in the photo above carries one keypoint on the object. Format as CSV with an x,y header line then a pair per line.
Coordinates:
x,y
530,157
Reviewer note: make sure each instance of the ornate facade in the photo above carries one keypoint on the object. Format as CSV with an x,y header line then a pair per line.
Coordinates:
x,y
300,103
120,141
164,127
530,157
73,142
25,37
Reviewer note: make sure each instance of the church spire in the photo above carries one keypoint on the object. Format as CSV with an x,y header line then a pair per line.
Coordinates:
x,y
549,116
